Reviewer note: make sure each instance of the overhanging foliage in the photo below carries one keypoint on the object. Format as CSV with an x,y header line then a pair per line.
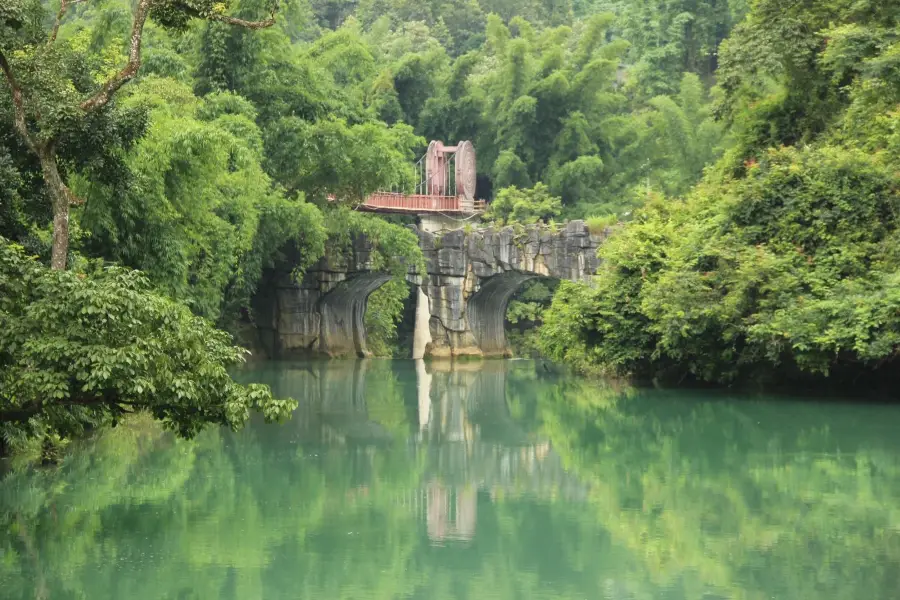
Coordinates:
x,y
78,349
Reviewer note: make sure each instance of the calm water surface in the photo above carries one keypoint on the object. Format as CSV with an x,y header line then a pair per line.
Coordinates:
x,y
493,481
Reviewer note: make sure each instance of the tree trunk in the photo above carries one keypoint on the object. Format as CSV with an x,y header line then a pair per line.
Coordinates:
x,y
60,197
60,252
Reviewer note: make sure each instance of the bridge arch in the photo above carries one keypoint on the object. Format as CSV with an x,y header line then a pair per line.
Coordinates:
x,y
343,315
486,311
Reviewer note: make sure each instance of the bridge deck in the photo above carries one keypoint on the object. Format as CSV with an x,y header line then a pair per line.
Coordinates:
x,y
420,203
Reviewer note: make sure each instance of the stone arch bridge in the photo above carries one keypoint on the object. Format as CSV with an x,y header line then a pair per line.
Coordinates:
x,y
460,302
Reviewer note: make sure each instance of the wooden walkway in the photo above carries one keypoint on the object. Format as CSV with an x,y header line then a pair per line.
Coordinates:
x,y
421,203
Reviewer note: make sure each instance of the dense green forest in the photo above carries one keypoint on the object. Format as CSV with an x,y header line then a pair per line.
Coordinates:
x,y
746,148
783,262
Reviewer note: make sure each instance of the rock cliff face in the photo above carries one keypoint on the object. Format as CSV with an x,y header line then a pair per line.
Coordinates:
x,y
469,280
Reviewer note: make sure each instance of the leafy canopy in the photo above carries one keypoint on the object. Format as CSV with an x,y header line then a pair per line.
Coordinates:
x,y
524,206
80,348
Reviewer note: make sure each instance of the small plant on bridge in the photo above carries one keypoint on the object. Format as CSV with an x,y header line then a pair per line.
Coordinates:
x,y
599,225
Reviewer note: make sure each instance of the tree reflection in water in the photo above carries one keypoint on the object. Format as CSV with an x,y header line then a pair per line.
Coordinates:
x,y
490,480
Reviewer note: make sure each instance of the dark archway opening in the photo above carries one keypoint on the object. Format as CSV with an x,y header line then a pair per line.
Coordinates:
x,y
524,315
390,324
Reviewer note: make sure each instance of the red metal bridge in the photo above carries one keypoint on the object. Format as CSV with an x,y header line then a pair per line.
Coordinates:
x,y
446,180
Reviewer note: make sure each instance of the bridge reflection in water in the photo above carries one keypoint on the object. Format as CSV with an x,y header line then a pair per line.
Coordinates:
x,y
463,437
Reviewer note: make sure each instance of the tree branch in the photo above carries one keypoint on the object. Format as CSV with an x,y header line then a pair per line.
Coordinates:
x,y
265,23
19,121
102,97
23,413
63,7
109,400
47,155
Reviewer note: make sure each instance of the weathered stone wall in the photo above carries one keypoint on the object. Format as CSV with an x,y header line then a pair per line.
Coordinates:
x,y
323,313
471,277
462,299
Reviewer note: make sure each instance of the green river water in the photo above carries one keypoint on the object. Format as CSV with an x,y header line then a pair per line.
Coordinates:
x,y
490,481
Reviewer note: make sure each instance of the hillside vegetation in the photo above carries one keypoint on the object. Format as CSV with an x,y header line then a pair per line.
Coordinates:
x,y
748,148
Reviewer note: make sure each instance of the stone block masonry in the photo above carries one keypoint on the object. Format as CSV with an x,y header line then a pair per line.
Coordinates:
x,y
461,299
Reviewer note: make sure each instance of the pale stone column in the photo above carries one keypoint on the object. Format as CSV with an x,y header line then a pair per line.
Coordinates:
x,y
422,331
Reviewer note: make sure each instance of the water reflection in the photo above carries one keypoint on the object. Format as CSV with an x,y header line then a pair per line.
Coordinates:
x,y
466,439
494,481
473,443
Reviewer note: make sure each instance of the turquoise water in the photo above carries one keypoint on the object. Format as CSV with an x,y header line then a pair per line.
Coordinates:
x,y
493,481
